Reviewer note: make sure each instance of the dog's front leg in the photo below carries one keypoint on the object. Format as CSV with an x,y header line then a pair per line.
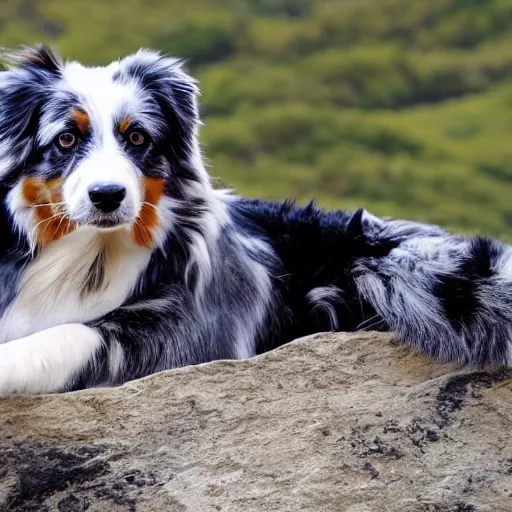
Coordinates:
x,y
47,361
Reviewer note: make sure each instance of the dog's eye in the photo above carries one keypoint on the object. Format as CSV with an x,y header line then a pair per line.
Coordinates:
x,y
136,138
66,140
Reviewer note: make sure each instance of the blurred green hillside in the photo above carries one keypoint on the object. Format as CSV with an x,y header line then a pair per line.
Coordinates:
x,y
401,106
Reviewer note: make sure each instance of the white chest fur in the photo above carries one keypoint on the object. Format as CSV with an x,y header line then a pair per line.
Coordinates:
x,y
54,290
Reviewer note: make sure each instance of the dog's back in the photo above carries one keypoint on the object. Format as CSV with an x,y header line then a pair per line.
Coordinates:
x,y
449,296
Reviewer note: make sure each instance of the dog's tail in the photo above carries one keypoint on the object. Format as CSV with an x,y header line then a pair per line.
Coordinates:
x,y
450,297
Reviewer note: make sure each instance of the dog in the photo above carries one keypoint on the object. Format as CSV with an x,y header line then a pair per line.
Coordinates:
x,y
119,259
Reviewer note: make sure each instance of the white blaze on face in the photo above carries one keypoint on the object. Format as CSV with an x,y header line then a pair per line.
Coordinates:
x,y
104,165
104,102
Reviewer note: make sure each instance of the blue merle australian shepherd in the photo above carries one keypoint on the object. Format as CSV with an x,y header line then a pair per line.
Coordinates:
x,y
119,259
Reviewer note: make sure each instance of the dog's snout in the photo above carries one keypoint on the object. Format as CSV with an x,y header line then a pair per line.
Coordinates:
x,y
107,197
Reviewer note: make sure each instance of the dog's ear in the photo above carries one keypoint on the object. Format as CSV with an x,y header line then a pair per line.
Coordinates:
x,y
25,85
175,92
40,56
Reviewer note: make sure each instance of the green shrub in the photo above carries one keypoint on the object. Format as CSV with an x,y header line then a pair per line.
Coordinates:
x,y
197,43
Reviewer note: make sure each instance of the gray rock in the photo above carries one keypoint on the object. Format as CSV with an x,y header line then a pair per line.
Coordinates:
x,y
334,423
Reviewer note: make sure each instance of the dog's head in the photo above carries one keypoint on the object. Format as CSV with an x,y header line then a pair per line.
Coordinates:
x,y
95,147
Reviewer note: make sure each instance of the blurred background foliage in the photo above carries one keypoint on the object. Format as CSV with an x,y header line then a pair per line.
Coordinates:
x,y
403,107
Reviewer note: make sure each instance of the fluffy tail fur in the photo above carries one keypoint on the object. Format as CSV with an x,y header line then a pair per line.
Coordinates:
x,y
449,296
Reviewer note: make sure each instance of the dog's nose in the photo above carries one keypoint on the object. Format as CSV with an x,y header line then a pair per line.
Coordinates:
x,y
107,197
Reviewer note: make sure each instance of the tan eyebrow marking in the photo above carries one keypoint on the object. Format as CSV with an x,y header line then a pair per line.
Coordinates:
x,y
81,119
124,125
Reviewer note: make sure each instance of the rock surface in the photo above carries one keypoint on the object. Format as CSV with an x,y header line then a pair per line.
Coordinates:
x,y
331,423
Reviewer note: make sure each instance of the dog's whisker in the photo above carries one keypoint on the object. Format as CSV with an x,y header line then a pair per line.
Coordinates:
x,y
42,222
60,223
68,229
48,219
40,205
144,230
151,205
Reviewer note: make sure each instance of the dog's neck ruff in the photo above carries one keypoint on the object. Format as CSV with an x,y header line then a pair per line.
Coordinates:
x,y
77,278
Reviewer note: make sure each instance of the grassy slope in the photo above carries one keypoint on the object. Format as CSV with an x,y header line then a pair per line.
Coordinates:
x,y
402,107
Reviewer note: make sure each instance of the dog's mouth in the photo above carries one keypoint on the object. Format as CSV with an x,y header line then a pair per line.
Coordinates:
x,y
93,219
108,221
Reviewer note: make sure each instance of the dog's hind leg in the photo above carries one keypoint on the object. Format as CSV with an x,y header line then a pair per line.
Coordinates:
x,y
47,361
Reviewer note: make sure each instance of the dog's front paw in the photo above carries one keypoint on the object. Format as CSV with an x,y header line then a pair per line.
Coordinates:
x,y
45,362
26,365
7,371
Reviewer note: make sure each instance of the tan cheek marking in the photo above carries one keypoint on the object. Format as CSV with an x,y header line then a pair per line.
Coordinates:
x,y
51,219
82,120
30,190
147,221
124,125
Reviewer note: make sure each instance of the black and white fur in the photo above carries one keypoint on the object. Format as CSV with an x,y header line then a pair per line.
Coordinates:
x,y
226,277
